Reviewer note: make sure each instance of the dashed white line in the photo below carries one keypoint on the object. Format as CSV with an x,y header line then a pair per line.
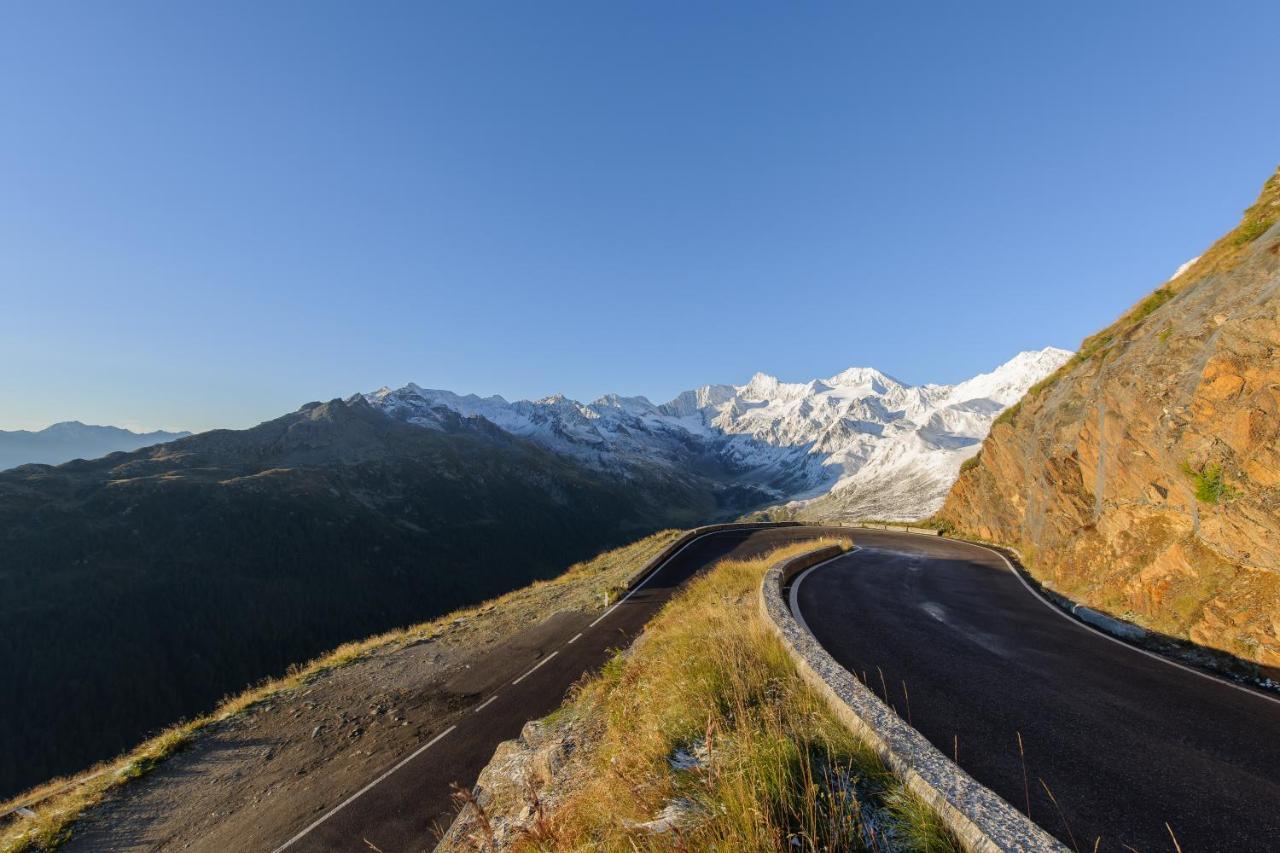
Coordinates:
x,y
483,704
575,639
535,667
351,799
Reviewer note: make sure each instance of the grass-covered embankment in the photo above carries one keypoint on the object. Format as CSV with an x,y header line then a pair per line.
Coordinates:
x,y
774,768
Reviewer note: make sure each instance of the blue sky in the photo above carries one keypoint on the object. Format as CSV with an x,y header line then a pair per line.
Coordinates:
x,y
212,214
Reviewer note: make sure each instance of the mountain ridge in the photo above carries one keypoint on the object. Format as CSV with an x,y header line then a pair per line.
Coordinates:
x,y
67,440
790,441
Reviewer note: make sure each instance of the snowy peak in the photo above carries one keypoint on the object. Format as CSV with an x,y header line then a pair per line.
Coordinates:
x,y
860,429
869,377
698,400
1008,382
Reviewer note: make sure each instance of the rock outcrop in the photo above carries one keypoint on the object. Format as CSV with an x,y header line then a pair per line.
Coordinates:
x,y
1143,478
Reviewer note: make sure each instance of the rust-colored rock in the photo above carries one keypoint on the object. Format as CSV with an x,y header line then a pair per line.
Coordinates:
x,y
1144,478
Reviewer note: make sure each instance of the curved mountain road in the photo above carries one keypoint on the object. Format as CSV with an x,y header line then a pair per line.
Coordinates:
x,y
403,807
1116,744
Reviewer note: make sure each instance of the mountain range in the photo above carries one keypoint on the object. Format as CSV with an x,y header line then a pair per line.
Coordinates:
x,y
856,444
69,440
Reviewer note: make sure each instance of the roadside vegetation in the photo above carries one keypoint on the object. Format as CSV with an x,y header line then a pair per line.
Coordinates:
x,y
705,737
56,805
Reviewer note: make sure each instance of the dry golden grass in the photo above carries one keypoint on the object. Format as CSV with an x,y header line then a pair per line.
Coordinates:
x,y
779,772
58,803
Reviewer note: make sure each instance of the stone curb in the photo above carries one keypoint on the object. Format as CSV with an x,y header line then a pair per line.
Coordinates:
x,y
980,819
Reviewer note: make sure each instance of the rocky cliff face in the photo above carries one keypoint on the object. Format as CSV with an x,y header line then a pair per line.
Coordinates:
x,y
1143,478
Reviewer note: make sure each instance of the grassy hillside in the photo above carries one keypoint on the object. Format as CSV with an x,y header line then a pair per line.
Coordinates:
x,y
142,587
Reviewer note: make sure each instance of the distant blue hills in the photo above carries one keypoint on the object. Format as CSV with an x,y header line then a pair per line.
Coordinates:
x,y
69,440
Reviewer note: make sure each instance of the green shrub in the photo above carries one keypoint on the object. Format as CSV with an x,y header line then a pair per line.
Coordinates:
x,y
1146,307
1252,230
1209,485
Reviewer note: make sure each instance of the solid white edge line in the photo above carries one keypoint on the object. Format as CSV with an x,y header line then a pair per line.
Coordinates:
x,y
535,667
667,562
485,703
653,573
575,639
1058,610
795,587
1085,625
351,799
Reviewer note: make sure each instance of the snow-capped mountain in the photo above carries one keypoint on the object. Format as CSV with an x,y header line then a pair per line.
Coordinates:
x,y
857,444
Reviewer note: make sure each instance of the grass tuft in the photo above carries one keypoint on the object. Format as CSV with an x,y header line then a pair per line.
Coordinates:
x,y
1210,487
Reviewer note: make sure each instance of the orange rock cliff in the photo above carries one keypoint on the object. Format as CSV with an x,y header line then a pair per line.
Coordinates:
x,y
1143,478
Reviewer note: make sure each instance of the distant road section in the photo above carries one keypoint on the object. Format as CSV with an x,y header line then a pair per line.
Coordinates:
x,y
1115,744
403,806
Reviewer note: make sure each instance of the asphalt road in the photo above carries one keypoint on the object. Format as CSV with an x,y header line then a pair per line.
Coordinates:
x,y
1124,742
403,808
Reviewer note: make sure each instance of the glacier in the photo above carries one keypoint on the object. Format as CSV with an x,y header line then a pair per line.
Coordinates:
x,y
859,444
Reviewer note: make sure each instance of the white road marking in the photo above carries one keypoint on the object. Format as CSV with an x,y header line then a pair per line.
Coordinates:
x,y
604,614
575,639
1049,604
351,799
665,563
1103,634
795,586
535,667
438,737
482,705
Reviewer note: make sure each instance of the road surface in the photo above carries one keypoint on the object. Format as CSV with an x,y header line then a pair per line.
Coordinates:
x,y
1126,743
404,806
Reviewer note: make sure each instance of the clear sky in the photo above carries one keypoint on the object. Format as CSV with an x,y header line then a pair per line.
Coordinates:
x,y
212,214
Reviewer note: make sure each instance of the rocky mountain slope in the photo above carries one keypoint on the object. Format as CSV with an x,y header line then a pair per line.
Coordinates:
x,y
142,587
1144,477
69,440
873,446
